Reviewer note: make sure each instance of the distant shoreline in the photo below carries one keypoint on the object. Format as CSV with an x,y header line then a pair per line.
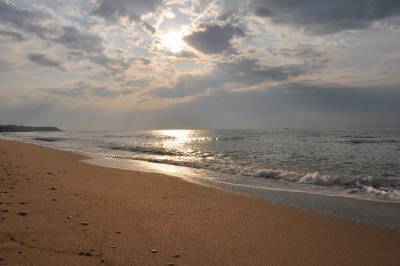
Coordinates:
x,y
15,128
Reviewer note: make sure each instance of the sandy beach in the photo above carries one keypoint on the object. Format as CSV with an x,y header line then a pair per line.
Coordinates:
x,y
56,210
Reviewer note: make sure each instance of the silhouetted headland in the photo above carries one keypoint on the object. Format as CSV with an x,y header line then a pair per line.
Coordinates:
x,y
15,128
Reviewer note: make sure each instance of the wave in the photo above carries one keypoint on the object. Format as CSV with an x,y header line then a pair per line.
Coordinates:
x,y
154,136
370,141
143,136
229,138
48,139
383,187
146,150
163,151
115,136
359,137
377,186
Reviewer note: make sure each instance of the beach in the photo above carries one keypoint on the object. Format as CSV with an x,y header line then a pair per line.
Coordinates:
x,y
57,210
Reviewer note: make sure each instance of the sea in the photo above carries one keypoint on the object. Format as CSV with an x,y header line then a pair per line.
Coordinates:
x,y
351,174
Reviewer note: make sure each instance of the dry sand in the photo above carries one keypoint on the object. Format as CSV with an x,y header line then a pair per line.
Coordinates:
x,y
56,210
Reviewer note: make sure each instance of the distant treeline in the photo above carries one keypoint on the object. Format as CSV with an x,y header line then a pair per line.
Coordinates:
x,y
14,128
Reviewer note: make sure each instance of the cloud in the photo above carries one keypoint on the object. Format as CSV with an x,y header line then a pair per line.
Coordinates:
x,y
86,90
121,8
40,22
242,72
132,9
214,38
28,20
5,66
250,65
326,16
45,60
294,105
75,39
15,36
90,46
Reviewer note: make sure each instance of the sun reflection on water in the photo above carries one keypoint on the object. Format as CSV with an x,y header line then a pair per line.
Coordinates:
x,y
178,135
177,140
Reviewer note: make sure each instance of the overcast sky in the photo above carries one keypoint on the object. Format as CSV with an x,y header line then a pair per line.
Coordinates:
x,y
139,64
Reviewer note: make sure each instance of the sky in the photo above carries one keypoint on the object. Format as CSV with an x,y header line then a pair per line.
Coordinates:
x,y
152,64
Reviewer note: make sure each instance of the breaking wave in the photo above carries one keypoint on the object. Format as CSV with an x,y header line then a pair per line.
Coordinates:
x,y
146,150
48,139
370,141
385,188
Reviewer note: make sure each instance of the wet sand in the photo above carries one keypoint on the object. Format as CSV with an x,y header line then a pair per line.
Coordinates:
x,y
56,210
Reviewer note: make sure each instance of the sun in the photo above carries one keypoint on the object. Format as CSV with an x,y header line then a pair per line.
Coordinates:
x,y
173,41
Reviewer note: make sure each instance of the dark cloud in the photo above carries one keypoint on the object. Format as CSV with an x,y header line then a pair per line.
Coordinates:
x,y
33,21
84,89
132,9
45,60
242,72
76,39
125,8
326,16
251,71
90,46
15,36
28,20
81,44
23,18
214,38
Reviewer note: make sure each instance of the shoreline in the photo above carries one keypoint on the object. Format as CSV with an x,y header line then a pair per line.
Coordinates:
x,y
63,211
376,212
384,213
101,161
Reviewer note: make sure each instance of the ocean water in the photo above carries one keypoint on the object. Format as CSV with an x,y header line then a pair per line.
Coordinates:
x,y
362,164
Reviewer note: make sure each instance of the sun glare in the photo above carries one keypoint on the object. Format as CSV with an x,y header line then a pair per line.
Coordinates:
x,y
173,41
